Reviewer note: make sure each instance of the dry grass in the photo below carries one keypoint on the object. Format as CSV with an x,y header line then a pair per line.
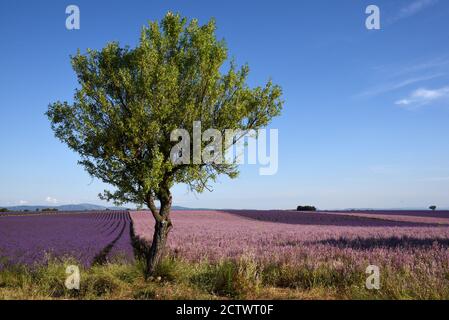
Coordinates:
x,y
227,279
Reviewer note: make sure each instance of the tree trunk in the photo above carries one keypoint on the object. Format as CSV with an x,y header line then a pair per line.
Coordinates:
x,y
161,230
162,227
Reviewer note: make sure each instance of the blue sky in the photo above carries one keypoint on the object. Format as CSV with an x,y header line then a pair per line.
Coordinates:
x,y
365,120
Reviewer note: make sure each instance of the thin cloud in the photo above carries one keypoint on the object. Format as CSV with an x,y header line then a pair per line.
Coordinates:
x,y
424,96
439,64
395,77
414,8
396,85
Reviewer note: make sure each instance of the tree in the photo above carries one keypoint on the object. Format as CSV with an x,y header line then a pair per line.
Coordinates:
x,y
433,208
305,208
130,100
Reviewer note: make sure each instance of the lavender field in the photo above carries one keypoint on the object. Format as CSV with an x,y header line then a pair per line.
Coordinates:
x,y
290,236
411,248
32,238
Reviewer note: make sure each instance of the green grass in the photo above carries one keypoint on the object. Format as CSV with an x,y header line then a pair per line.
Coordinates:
x,y
226,279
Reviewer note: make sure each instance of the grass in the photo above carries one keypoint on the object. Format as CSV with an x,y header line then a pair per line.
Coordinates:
x,y
226,279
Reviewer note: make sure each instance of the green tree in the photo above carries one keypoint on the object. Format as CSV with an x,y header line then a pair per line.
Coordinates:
x,y
433,208
130,100
305,208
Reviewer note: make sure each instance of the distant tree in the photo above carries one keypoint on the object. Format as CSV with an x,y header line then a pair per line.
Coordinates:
x,y
37,209
305,208
4,210
49,210
26,210
433,208
130,101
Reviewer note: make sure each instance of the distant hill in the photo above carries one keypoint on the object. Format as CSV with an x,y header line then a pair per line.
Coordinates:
x,y
85,207
66,207
179,208
391,209
185,208
95,207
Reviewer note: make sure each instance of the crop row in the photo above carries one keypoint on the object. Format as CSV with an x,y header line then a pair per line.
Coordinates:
x,y
88,236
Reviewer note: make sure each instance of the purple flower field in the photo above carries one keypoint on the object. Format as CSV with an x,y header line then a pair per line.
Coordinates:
x,y
89,237
411,241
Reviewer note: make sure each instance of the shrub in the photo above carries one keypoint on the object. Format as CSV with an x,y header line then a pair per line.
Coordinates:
x,y
167,270
308,277
145,294
234,279
305,208
103,284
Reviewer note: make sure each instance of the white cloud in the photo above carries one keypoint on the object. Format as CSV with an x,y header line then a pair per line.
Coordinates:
x,y
51,200
413,8
424,96
392,86
22,202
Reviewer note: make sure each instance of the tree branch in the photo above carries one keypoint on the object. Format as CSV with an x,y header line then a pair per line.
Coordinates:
x,y
152,206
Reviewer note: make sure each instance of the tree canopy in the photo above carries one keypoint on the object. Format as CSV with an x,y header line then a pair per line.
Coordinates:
x,y
131,99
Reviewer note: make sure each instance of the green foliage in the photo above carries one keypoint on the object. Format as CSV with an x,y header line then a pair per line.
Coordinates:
x,y
49,210
433,208
145,294
241,279
131,99
4,210
167,270
235,279
307,277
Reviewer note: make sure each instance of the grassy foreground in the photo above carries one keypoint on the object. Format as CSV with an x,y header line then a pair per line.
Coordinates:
x,y
242,279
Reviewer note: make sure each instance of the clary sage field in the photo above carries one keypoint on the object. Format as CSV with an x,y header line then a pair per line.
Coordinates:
x,y
287,250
